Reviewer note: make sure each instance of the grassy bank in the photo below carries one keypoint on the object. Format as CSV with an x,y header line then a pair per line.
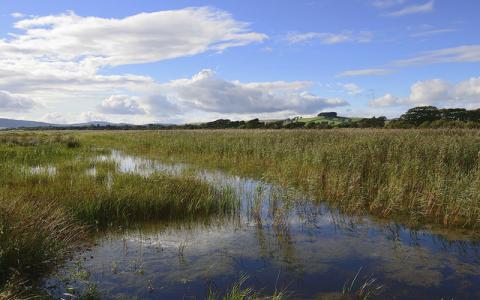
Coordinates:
x,y
49,201
430,176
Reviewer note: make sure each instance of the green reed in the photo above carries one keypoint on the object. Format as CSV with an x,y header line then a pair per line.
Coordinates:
x,y
49,200
423,176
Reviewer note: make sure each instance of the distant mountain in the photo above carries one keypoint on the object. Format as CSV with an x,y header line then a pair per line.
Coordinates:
x,y
11,123
94,123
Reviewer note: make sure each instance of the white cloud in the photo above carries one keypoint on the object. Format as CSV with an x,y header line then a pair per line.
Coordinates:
x,y
141,38
121,105
436,92
351,88
329,38
208,93
15,103
386,100
386,3
469,90
58,59
17,15
467,53
62,54
413,9
432,32
90,116
364,72
54,118
430,92
460,54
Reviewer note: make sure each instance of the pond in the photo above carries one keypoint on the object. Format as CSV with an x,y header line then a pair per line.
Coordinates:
x,y
280,240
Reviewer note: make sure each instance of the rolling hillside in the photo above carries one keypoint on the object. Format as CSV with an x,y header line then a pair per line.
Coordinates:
x,y
329,120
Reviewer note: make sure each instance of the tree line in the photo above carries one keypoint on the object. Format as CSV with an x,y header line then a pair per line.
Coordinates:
x,y
432,117
417,117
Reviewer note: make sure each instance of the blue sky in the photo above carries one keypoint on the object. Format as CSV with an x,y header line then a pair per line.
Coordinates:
x,y
188,61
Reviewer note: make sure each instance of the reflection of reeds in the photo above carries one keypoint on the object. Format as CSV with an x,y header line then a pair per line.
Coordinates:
x,y
256,210
18,290
238,291
363,290
421,175
41,213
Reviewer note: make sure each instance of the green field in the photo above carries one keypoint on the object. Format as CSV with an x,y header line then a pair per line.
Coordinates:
x,y
328,120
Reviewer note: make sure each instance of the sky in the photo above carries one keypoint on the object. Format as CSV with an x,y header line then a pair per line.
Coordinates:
x,y
182,61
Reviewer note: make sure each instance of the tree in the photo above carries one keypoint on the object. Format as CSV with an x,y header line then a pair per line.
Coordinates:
x,y
294,125
372,122
473,115
255,123
420,114
453,114
330,114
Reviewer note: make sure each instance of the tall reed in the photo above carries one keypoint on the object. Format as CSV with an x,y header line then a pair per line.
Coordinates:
x,y
424,176
49,200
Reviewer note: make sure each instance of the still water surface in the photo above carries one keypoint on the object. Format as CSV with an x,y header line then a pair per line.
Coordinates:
x,y
281,240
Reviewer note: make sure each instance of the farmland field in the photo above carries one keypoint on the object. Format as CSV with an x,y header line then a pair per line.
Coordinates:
x,y
333,214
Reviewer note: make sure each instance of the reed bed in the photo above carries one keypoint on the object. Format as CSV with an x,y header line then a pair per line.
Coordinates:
x,y
50,202
422,176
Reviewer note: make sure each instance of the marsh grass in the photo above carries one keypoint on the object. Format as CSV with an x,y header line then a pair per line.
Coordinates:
x,y
240,291
46,214
115,198
419,176
362,289
422,176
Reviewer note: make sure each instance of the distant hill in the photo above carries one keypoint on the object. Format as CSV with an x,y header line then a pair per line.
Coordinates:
x,y
329,120
11,123
95,123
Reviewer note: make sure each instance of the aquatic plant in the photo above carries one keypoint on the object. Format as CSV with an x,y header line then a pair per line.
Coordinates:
x,y
52,190
49,200
362,290
239,291
420,176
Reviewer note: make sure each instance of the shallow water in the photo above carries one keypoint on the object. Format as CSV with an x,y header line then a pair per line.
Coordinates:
x,y
281,240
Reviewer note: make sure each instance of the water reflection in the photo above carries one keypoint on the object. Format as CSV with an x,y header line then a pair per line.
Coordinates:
x,y
43,170
280,239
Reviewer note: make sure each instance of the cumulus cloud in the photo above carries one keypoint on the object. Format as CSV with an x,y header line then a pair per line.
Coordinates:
x,y
364,72
207,92
55,118
430,91
436,92
386,100
59,58
469,89
329,38
90,116
141,38
15,103
121,105
414,9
